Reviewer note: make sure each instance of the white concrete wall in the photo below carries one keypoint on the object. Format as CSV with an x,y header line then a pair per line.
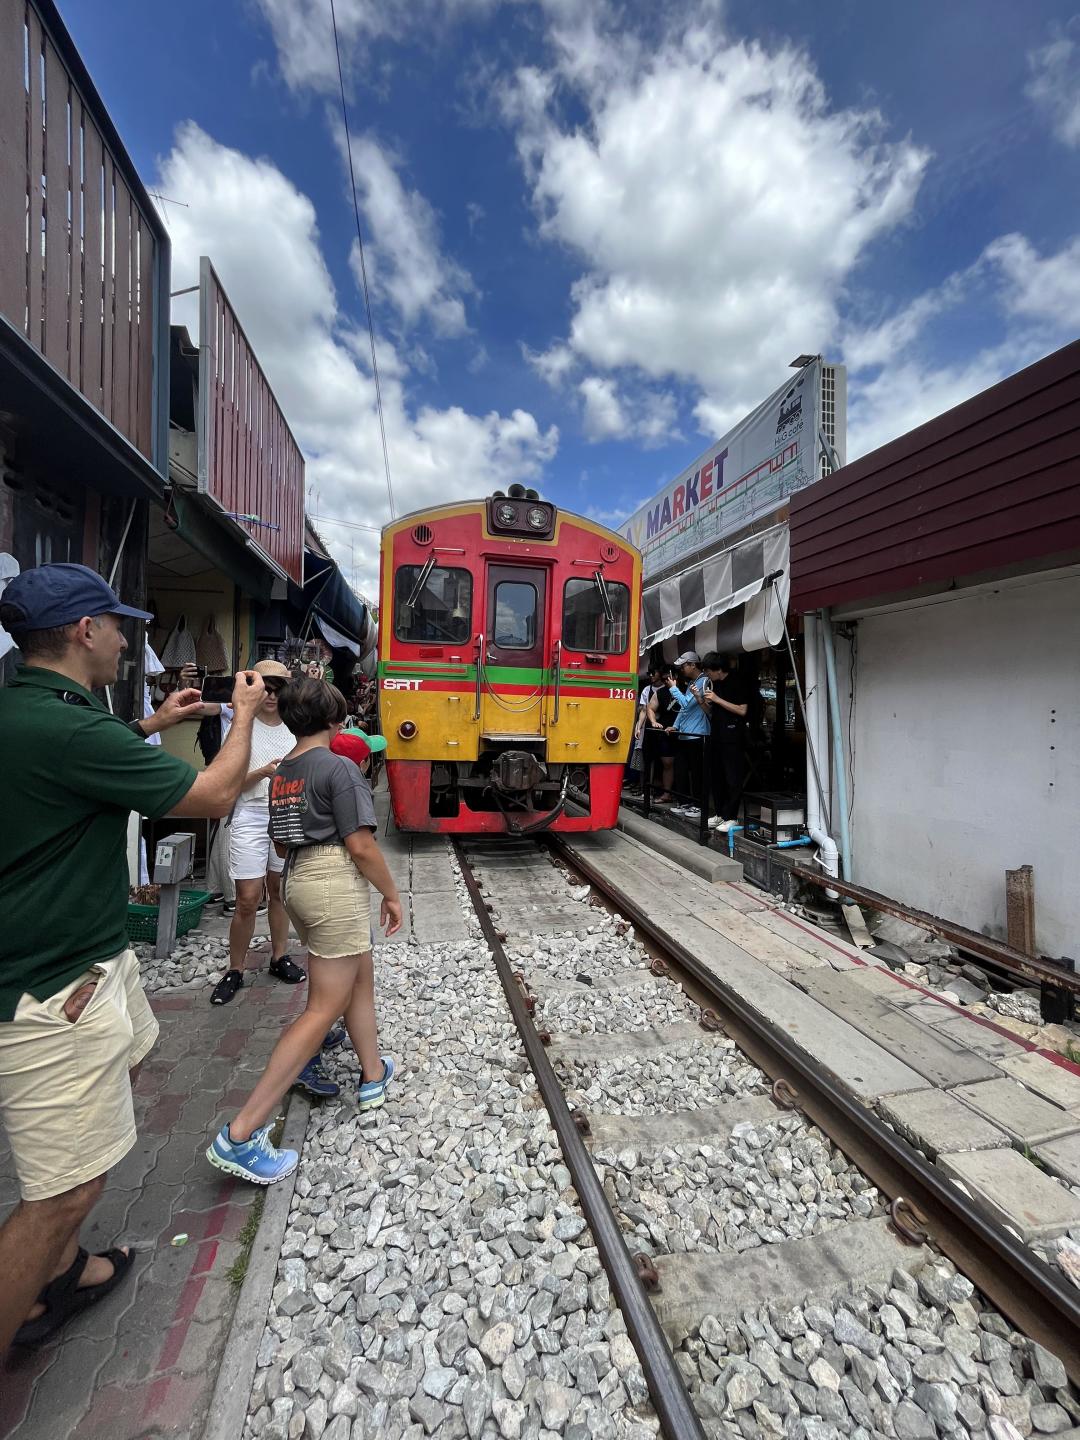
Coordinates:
x,y
967,754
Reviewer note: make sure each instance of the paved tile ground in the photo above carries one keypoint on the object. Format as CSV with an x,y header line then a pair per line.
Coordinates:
x,y
143,1363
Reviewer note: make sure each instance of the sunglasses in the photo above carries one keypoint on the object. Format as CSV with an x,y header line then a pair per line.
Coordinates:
x,y
274,687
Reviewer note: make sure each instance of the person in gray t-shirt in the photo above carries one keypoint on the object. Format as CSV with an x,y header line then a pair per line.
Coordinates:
x,y
322,820
316,799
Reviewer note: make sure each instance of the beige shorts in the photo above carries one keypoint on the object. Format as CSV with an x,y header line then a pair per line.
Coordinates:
x,y
329,902
65,1095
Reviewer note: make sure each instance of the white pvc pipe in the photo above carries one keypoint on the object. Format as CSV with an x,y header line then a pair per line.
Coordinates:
x,y
817,736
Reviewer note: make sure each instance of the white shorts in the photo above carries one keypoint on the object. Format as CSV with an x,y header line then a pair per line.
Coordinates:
x,y
251,853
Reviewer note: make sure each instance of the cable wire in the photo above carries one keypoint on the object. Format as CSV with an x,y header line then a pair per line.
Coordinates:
x,y
363,267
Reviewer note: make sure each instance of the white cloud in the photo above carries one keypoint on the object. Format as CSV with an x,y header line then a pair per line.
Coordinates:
x,y
648,416
1037,288
909,392
555,365
717,202
1055,86
604,416
304,35
1030,302
262,235
404,261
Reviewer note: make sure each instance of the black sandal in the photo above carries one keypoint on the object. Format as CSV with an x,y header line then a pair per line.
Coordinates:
x,y
63,1299
227,986
286,969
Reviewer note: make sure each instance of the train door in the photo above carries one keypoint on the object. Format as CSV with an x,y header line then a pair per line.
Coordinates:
x,y
515,651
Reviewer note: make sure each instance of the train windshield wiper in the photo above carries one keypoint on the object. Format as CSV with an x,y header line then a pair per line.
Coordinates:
x,y
605,598
421,581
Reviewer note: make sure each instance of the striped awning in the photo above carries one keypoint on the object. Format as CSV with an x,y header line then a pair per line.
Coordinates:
x,y
734,577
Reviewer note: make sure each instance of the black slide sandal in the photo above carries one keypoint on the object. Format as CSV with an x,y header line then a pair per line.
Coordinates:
x,y
63,1298
226,988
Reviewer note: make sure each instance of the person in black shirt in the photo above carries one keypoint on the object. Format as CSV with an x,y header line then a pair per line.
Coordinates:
x,y
727,702
660,712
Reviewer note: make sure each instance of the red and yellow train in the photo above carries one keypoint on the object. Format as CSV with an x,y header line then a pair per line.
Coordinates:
x,y
507,666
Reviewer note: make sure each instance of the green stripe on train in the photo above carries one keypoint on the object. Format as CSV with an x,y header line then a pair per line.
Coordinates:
x,y
501,674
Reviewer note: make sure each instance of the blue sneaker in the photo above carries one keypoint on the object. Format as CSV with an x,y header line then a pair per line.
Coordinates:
x,y
373,1092
335,1037
315,1081
257,1159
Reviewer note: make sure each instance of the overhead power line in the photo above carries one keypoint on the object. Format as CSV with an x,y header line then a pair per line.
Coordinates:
x,y
363,266
349,524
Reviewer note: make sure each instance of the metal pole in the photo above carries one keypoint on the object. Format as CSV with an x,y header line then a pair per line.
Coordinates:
x,y
806,723
838,744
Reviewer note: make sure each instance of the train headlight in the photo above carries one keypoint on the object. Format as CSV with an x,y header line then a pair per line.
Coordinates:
x,y
612,734
537,518
507,514
407,730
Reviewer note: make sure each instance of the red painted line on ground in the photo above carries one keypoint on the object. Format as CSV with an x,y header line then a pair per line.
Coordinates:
x,y
204,1260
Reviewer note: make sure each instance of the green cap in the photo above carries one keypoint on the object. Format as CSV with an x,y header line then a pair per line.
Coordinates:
x,y
375,743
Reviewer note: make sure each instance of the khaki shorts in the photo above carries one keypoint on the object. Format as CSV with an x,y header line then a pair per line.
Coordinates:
x,y
329,902
65,1095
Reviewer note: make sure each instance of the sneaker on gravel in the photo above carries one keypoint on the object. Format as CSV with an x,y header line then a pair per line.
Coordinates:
x,y
314,1079
335,1038
257,1159
373,1092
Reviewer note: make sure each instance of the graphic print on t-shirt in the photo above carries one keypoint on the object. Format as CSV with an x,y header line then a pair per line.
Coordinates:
x,y
288,805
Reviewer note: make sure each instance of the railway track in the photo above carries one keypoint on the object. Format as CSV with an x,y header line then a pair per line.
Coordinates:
x,y
725,1180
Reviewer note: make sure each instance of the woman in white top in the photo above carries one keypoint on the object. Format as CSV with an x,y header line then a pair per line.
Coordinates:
x,y
253,861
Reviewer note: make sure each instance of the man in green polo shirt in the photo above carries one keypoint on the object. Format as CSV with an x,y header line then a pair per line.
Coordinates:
x,y
73,1016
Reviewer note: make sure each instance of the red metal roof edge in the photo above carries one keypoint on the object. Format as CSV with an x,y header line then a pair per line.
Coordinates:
x,y
1038,376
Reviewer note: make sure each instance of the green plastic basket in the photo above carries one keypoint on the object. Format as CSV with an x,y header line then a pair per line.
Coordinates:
x,y
142,919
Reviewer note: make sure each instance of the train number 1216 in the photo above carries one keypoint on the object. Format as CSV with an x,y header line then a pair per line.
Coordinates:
x,y
620,692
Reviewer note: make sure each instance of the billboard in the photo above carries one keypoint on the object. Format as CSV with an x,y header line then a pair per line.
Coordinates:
x,y
743,477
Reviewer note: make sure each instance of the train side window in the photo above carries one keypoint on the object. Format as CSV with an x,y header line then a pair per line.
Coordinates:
x,y
515,615
587,623
433,608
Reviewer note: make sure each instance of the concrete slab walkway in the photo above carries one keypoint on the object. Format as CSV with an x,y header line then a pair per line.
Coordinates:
x,y
143,1363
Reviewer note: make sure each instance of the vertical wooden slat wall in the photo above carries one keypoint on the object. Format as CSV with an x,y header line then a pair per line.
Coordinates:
x,y
254,465
92,336
77,254
36,154
121,338
13,170
75,247
144,434
57,254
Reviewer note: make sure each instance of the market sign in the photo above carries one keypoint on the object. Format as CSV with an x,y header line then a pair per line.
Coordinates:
x,y
748,474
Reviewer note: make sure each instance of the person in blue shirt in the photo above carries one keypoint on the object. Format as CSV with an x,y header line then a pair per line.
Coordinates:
x,y
690,728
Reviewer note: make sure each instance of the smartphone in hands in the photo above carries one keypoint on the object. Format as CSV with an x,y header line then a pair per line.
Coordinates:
x,y
218,689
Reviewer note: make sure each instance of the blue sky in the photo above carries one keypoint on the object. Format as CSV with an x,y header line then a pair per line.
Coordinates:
x,y
598,232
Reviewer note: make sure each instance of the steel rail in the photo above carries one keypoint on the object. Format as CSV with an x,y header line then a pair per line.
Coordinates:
x,y
1040,1302
993,950
667,1388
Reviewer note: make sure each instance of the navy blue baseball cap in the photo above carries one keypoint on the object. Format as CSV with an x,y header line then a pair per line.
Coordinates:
x,y
52,595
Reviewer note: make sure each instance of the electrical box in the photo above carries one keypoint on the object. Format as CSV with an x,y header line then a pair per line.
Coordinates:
x,y
173,858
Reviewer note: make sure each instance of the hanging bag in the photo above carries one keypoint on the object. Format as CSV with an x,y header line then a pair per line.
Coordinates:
x,y
211,649
179,647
